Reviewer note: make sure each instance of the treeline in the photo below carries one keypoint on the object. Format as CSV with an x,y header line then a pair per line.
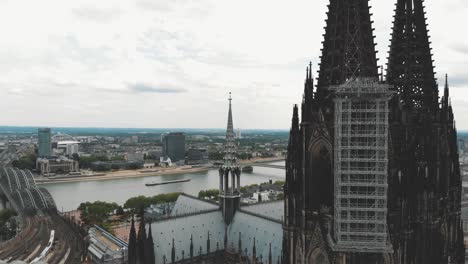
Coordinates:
x,y
208,194
136,203
7,226
86,161
98,213
27,162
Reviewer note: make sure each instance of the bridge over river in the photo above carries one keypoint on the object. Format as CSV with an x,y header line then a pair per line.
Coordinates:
x,y
265,164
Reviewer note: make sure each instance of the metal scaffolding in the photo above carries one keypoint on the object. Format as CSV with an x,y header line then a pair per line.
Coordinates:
x,y
360,165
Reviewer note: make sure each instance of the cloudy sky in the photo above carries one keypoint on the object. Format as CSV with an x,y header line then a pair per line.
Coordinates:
x,y
172,63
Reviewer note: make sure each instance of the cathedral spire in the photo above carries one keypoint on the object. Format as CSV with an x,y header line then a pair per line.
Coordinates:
x,y
229,173
141,240
295,119
239,246
132,249
208,244
270,256
173,254
348,48
310,70
446,92
254,252
410,64
225,238
149,247
191,246
230,146
309,85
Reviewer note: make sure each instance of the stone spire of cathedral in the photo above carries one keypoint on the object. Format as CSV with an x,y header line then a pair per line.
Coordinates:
x,y
225,238
208,244
309,84
239,245
191,246
446,98
229,173
254,252
173,253
149,247
230,146
410,64
348,48
141,240
132,249
270,258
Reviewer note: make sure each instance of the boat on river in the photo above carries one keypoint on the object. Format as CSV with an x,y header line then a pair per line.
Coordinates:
x,y
248,169
166,182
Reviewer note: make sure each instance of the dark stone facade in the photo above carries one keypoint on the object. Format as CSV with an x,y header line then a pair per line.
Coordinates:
x,y
424,185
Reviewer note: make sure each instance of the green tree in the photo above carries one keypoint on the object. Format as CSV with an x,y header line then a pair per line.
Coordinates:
x,y
279,183
120,211
136,203
85,162
209,193
96,212
26,162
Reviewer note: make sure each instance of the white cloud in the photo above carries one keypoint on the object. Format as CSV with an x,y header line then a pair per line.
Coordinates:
x,y
121,63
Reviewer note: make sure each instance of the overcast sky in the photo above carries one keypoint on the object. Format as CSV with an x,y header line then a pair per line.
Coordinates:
x,y
172,63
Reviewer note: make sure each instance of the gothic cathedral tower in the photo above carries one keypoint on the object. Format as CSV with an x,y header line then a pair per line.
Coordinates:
x,y
372,173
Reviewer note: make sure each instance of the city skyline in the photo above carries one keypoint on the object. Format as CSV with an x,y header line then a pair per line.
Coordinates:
x,y
153,63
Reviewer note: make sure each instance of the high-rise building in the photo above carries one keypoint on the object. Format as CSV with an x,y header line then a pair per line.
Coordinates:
x,y
45,144
197,156
174,146
372,168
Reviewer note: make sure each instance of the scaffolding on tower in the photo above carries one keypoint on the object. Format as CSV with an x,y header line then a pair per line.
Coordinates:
x,y
361,165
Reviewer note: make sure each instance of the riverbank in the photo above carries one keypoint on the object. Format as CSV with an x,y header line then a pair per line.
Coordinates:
x,y
121,175
127,174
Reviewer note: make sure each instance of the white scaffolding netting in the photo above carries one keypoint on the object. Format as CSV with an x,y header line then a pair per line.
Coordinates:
x,y
360,166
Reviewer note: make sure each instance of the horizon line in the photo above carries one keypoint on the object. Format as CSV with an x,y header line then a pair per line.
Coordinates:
x,y
178,128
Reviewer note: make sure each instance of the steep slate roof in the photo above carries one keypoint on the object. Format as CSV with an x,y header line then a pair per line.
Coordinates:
x,y
187,204
181,228
273,210
263,230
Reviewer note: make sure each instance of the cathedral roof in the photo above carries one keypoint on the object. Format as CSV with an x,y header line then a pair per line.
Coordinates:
x,y
264,232
271,210
198,219
182,228
187,204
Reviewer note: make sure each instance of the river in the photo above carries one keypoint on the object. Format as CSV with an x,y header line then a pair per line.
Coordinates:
x,y
68,196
